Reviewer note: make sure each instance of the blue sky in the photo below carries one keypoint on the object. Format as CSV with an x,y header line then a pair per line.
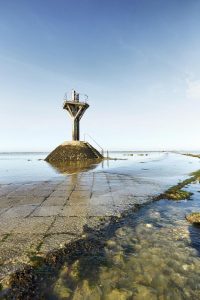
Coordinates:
x,y
138,61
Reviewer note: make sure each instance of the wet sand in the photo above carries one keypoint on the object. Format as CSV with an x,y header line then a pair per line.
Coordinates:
x,y
38,217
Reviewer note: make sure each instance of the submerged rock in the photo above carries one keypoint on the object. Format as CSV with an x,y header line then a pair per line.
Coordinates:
x,y
144,292
118,294
194,218
61,290
85,291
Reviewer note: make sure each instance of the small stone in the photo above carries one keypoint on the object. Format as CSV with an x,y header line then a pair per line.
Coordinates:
x,y
118,295
111,244
185,267
148,225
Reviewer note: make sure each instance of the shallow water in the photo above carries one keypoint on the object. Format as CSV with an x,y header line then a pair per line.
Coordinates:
x,y
160,166
153,254
150,254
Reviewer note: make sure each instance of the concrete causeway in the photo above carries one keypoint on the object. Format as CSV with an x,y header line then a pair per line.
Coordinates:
x,y
38,217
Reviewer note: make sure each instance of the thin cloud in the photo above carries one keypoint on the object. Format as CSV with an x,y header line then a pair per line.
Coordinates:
x,y
193,89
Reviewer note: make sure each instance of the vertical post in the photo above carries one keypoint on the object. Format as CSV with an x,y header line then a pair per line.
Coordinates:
x,y
76,110
73,95
75,130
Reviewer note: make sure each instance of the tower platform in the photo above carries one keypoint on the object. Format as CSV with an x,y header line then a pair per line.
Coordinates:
x,y
73,151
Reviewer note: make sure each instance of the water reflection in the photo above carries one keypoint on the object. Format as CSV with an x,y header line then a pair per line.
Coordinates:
x,y
75,167
105,163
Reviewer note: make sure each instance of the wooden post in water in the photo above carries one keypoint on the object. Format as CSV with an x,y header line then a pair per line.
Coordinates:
x,y
76,110
107,154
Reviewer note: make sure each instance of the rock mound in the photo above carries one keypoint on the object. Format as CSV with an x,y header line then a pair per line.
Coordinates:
x,y
73,151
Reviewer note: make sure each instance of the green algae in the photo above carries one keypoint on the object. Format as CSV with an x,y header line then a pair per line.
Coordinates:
x,y
176,192
192,155
193,218
35,259
6,236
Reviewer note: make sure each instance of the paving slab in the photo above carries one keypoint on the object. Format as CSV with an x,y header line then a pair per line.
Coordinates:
x,y
74,211
5,202
56,241
19,211
72,225
8,224
54,201
47,211
35,225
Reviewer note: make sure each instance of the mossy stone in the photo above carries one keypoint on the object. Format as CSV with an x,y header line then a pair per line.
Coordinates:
x,y
194,218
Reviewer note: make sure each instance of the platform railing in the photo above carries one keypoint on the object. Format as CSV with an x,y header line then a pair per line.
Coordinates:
x,y
101,149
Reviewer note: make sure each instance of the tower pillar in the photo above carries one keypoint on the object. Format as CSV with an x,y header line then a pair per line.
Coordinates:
x,y
76,110
75,130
